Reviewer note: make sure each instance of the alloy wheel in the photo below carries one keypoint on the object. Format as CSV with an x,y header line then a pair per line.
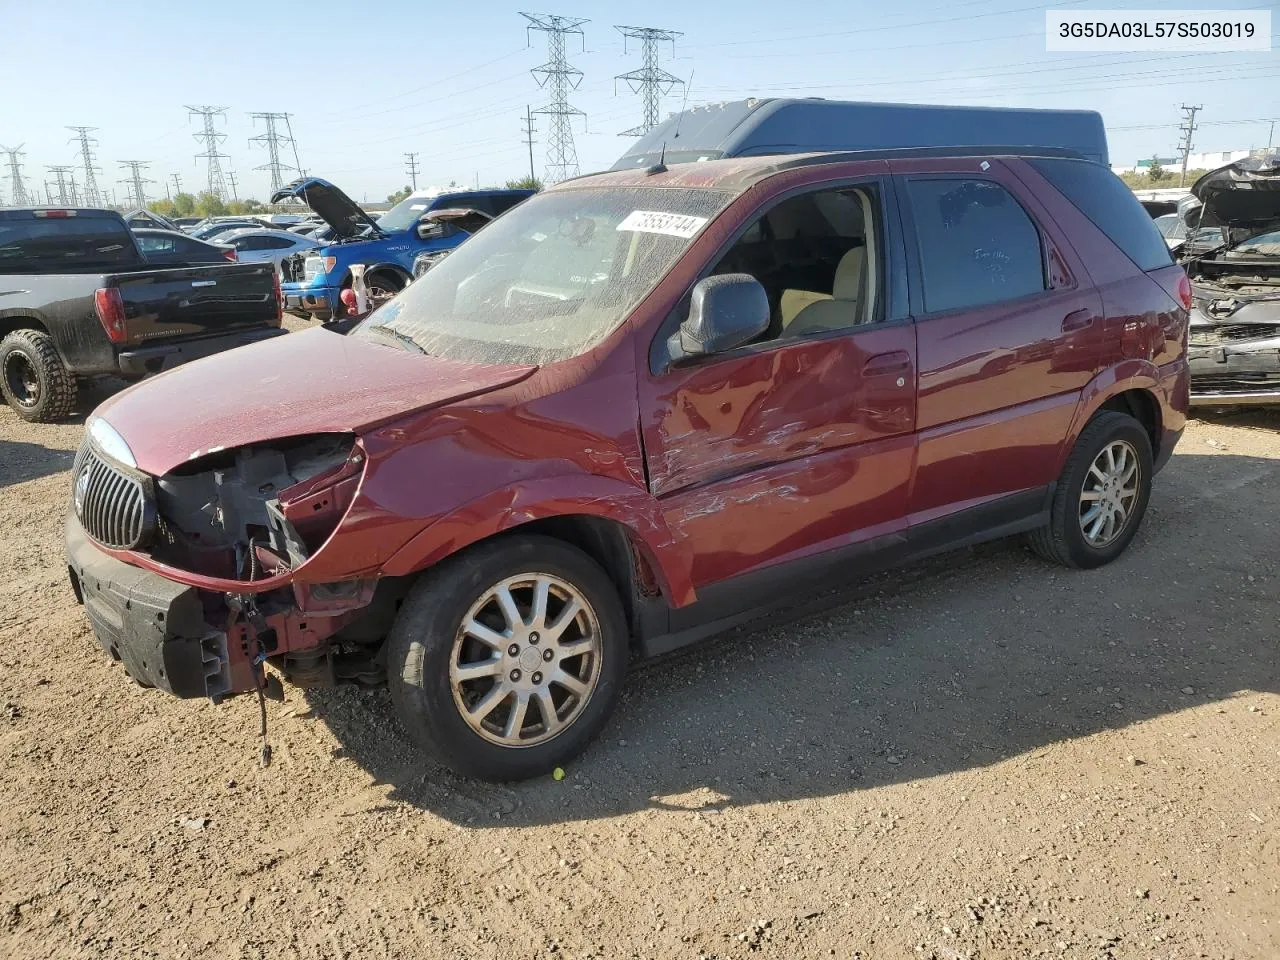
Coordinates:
x,y
1109,493
525,660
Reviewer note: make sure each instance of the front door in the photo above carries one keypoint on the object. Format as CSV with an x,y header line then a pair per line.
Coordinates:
x,y
801,441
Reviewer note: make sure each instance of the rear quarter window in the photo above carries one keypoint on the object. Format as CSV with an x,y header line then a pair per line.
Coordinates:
x,y
1102,197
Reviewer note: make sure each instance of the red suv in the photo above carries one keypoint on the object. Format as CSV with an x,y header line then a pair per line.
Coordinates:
x,y
640,407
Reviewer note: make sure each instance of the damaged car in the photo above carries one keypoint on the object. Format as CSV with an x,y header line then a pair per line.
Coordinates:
x,y
638,409
1234,348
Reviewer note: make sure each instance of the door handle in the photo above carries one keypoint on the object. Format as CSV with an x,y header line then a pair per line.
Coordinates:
x,y
887,364
1077,320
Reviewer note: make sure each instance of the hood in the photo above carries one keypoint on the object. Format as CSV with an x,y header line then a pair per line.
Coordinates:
x,y
1243,195
332,206
315,381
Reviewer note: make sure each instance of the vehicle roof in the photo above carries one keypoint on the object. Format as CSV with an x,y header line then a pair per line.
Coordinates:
x,y
739,173
789,125
15,213
262,232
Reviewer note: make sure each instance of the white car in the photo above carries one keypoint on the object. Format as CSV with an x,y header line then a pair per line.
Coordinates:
x,y
260,246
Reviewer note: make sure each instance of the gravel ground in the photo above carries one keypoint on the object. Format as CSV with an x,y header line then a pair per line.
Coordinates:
x,y
982,756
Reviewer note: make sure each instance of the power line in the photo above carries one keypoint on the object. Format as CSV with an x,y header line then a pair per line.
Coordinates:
x,y
273,138
558,74
1188,130
135,180
212,140
92,197
293,143
17,186
529,130
411,168
650,81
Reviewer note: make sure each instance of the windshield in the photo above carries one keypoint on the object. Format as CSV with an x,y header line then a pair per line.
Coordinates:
x,y
551,278
404,214
1171,226
1260,245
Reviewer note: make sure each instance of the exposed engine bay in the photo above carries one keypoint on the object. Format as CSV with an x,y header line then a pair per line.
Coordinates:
x,y
257,511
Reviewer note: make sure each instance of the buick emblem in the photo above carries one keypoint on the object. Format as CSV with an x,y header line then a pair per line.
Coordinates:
x,y
80,491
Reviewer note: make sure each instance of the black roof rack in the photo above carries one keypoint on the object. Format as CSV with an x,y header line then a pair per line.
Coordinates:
x,y
791,161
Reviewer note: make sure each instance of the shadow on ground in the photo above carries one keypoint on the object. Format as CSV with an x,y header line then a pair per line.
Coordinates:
x,y
953,664
20,462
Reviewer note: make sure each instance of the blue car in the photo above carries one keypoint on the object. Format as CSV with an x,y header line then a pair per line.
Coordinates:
x,y
386,246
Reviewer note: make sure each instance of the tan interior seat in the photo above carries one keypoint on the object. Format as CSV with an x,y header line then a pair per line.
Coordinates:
x,y
793,301
843,309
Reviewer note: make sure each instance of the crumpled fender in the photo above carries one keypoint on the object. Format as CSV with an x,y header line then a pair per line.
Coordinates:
x,y
634,508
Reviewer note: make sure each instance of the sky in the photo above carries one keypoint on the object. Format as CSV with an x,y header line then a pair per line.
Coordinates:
x,y
365,83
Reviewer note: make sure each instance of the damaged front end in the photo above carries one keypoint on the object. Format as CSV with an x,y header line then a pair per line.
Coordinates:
x,y
1234,338
225,535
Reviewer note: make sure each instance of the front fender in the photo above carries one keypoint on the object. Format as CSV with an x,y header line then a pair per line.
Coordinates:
x,y
634,508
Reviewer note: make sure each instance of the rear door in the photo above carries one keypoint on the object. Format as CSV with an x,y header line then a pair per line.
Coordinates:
x,y
800,442
196,301
1008,326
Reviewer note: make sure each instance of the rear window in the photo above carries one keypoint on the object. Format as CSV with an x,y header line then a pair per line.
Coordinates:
x,y
1102,197
69,244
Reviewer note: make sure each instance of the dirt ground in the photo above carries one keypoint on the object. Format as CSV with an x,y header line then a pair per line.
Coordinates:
x,y
979,757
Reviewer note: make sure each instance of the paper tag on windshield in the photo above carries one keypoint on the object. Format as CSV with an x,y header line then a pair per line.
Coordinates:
x,y
417,206
672,224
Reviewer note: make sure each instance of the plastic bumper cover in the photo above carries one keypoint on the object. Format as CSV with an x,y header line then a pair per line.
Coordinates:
x,y
156,627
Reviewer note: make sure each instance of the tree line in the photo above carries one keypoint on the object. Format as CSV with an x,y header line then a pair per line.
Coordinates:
x,y
203,205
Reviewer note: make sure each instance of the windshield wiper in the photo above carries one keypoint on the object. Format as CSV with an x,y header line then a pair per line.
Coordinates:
x,y
402,337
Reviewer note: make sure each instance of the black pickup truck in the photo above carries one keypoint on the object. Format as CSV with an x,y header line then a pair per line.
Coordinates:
x,y
78,300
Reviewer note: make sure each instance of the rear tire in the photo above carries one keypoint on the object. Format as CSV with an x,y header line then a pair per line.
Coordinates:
x,y
508,692
33,379
1101,496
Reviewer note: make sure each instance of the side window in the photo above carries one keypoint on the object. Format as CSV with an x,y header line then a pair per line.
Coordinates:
x,y
977,245
469,201
277,243
502,202
818,257
1102,197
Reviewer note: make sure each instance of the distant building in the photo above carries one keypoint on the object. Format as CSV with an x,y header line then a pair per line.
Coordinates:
x,y
1196,161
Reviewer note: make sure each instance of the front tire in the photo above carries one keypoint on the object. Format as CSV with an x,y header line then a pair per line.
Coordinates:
x,y
507,660
1102,494
33,378
382,286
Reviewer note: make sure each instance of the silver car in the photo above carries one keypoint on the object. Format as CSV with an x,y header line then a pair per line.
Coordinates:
x,y
261,246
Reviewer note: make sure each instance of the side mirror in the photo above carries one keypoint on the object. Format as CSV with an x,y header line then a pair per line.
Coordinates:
x,y
432,230
726,311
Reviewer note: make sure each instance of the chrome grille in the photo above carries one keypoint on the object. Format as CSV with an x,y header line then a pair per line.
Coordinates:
x,y
1232,333
113,504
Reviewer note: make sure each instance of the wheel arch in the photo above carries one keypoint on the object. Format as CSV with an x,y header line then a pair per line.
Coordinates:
x,y
1131,388
1143,406
8,324
381,267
